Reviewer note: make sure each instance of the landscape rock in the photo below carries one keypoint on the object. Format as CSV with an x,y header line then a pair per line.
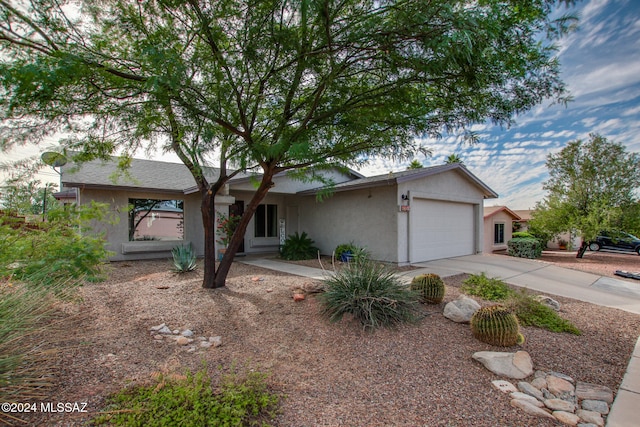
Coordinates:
x,y
504,386
591,417
298,297
539,383
215,341
164,330
586,391
183,340
187,333
530,409
523,396
566,418
516,365
157,327
461,309
559,386
205,344
596,406
549,302
560,405
527,388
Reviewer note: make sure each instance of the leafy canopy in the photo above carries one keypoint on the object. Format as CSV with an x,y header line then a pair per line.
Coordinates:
x,y
592,186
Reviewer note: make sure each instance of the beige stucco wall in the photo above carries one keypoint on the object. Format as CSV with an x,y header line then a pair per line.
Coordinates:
x,y
366,217
501,217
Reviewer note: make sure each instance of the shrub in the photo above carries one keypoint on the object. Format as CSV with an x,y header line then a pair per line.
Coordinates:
x,y
522,234
531,312
371,293
349,252
490,289
298,247
184,258
524,247
192,402
496,325
430,287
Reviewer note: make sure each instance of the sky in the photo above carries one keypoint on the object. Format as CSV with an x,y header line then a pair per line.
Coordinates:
x,y
601,67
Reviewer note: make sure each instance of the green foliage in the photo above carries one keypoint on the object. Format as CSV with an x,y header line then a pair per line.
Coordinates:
x,y
529,311
343,248
415,164
532,312
490,289
592,186
193,402
351,252
184,258
371,293
58,250
430,287
496,325
522,234
524,247
297,247
244,91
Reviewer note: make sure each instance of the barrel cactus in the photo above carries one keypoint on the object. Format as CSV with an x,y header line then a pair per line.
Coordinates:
x,y
430,287
496,325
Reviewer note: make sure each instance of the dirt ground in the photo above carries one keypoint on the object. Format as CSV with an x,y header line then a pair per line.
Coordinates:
x,y
331,374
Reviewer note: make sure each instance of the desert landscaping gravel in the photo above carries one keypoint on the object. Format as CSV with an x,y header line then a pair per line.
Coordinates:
x,y
330,374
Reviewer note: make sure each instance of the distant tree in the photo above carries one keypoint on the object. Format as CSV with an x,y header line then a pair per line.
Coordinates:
x,y
21,194
415,164
269,86
592,186
453,158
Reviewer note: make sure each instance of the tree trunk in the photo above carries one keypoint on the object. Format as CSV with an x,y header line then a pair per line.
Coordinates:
x,y
582,250
209,223
238,235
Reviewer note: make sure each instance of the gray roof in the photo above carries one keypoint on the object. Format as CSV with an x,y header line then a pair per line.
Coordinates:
x,y
394,178
143,174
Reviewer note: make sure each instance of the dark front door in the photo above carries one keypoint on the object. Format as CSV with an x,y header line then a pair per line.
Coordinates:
x,y
238,209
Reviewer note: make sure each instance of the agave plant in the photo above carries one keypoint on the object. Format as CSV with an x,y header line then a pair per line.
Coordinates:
x,y
184,258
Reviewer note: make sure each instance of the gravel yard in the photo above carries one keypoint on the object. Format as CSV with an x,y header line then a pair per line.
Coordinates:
x,y
331,374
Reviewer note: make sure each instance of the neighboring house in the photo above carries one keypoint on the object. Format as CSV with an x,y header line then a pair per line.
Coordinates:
x,y
522,224
403,217
568,240
498,227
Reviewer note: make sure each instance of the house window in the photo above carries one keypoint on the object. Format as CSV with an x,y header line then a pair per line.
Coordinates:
x,y
498,234
266,221
153,219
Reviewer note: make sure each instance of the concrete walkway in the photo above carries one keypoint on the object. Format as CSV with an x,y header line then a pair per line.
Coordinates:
x,y
539,276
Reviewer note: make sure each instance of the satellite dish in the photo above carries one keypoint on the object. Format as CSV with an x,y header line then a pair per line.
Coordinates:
x,y
54,159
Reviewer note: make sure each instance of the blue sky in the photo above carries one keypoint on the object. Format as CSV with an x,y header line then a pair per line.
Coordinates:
x,y
601,66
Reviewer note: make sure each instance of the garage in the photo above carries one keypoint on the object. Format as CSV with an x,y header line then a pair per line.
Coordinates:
x,y
440,229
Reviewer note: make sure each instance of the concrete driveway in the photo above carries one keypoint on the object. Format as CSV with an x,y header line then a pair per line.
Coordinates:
x,y
542,277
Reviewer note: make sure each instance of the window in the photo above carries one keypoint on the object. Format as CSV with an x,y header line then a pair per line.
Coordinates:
x,y
498,233
266,221
152,219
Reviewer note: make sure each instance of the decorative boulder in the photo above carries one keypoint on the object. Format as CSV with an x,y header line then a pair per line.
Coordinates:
x,y
549,302
516,365
461,310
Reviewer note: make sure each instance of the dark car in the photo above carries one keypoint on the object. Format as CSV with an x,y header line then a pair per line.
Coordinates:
x,y
616,241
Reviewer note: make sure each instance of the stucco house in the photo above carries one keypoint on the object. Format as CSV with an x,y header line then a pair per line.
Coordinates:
x,y
498,227
404,217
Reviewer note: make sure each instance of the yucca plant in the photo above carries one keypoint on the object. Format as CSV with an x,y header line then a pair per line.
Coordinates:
x,y
371,293
184,258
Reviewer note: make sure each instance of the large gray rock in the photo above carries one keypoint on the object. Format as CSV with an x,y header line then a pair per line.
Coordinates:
x,y
516,365
461,310
549,302
527,388
593,392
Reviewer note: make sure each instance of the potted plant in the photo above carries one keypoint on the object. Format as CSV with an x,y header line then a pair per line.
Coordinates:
x,y
227,225
562,244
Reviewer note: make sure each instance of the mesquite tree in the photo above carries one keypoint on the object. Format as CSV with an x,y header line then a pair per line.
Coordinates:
x,y
269,85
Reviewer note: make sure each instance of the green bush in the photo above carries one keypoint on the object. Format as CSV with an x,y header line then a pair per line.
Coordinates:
x,y
532,312
55,251
184,258
371,293
298,247
193,402
524,247
490,289
355,252
522,234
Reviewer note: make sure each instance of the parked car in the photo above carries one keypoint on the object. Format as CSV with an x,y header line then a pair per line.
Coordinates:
x,y
616,241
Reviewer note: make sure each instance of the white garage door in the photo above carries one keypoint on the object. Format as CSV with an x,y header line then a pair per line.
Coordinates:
x,y
441,229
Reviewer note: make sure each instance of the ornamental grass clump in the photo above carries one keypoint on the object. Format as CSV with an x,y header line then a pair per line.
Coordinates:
x,y
371,293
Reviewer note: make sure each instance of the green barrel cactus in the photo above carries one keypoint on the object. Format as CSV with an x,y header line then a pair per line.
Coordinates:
x,y
496,325
430,286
